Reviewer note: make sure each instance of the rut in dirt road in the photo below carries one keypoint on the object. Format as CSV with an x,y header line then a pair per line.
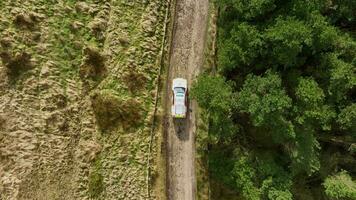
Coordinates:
x,y
185,61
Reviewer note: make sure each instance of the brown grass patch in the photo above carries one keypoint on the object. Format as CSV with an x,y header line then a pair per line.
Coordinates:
x,y
135,81
2,123
93,65
27,20
16,64
112,110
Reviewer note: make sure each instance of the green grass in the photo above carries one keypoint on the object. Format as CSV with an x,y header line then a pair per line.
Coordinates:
x,y
96,183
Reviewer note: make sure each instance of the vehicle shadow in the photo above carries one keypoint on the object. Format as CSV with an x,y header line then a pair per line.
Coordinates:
x,y
181,128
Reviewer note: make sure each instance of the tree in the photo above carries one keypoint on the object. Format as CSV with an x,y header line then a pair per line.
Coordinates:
x,y
342,13
309,93
262,97
340,186
215,96
212,93
277,188
245,175
276,182
267,103
248,9
311,115
347,118
259,176
242,48
305,153
302,9
325,36
292,64
310,105
286,39
342,77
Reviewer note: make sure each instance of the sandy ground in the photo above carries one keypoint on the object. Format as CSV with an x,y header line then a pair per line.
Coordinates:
x,y
186,59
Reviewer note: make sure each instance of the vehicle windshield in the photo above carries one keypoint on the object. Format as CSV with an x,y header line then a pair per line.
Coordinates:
x,y
179,92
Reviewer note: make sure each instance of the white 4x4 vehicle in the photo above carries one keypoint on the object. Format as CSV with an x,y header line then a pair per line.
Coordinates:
x,y
179,105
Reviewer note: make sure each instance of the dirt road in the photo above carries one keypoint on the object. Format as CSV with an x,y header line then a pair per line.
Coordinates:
x,y
187,53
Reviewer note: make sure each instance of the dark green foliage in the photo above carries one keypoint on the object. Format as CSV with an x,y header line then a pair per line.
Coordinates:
x,y
263,98
221,166
245,175
325,36
249,9
310,106
215,95
347,118
221,128
277,188
276,182
342,13
287,37
241,48
340,186
342,77
305,155
259,176
267,103
285,97
309,93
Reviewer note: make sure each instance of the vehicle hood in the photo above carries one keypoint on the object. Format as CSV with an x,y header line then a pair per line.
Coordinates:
x,y
179,82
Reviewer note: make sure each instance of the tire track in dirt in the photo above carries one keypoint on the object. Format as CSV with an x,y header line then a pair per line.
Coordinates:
x,y
186,58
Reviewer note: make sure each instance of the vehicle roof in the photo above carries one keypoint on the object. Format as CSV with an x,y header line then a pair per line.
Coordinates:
x,y
179,99
179,109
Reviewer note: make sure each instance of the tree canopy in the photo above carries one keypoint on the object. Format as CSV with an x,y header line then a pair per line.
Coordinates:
x,y
284,95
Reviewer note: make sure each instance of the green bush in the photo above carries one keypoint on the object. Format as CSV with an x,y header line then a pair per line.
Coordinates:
x,y
340,186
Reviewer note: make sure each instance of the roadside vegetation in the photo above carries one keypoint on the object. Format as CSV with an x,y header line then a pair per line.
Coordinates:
x,y
281,109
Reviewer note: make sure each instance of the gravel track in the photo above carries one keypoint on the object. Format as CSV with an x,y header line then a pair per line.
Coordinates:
x,y
186,59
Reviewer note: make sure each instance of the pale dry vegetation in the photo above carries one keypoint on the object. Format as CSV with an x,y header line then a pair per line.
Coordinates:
x,y
75,124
